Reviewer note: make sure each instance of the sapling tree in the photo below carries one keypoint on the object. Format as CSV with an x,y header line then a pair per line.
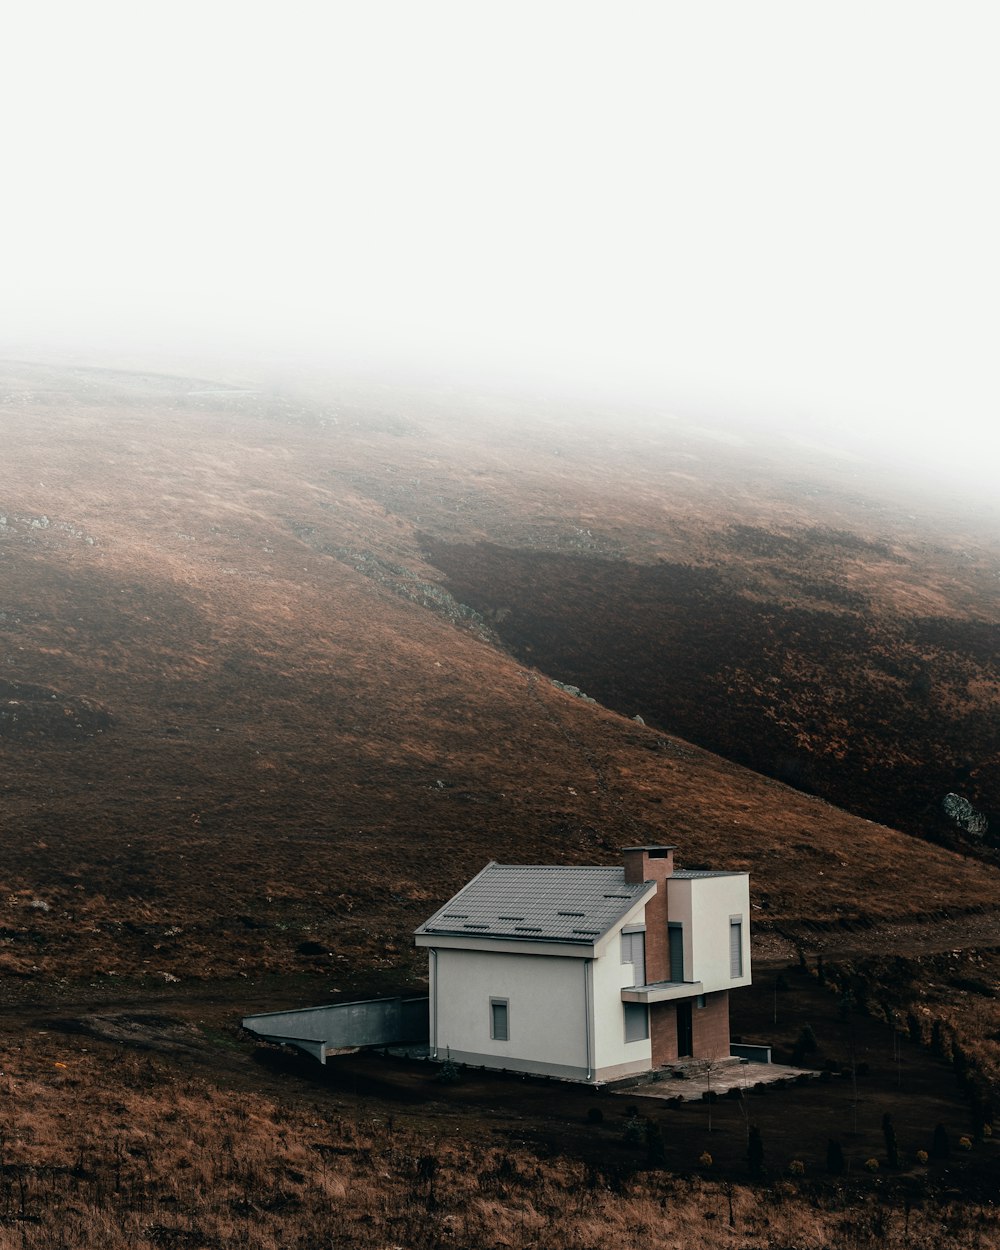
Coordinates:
x,y
891,1145
755,1151
656,1151
805,1044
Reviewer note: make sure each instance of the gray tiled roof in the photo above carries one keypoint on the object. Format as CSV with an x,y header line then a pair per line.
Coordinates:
x,y
692,874
537,903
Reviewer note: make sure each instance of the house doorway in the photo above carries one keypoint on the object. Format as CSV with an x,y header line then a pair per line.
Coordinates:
x,y
685,1031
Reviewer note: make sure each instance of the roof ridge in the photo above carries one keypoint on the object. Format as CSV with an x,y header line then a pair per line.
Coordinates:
x,y
561,867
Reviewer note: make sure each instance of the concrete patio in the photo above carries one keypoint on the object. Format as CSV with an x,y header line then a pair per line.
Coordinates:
x,y
692,1083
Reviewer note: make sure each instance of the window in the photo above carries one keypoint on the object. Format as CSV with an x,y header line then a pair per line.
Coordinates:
x,y
498,1020
636,1022
735,946
634,953
675,935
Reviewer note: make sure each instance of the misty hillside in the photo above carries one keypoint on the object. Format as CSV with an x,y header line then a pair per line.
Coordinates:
x,y
277,661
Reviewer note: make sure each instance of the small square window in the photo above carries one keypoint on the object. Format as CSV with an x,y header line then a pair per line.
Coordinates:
x,y
636,1021
499,1030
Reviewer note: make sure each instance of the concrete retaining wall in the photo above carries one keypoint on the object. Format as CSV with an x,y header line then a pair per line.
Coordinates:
x,y
340,1026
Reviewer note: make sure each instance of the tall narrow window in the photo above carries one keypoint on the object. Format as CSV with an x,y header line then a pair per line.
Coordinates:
x,y
736,946
675,936
498,1020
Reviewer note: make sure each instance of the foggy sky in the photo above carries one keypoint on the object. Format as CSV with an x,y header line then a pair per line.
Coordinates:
x,y
777,208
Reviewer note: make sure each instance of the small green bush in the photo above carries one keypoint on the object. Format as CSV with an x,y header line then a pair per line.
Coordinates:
x,y
633,1132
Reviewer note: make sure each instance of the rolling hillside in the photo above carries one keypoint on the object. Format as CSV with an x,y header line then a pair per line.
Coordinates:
x,y
276,666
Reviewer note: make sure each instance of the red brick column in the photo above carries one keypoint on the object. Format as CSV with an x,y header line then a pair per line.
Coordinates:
x,y
656,863
710,1025
663,1033
653,863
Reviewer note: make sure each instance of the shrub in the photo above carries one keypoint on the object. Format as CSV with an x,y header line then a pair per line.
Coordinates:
x,y
656,1151
633,1132
796,1167
871,1165
965,1143
448,1073
921,1156
705,1159
805,1044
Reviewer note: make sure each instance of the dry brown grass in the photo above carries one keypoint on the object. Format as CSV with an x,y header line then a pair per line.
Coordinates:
x,y
126,1156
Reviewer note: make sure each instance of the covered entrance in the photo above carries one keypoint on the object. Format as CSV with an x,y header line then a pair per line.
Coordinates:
x,y
685,1031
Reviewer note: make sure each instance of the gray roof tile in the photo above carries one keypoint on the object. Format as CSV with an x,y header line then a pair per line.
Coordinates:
x,y
537,903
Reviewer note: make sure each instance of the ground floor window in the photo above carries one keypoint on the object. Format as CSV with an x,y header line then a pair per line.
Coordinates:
x,y
499,1024
636,1022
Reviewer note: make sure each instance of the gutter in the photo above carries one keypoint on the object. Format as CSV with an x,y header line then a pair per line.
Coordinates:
x,y
434,1003
588,1009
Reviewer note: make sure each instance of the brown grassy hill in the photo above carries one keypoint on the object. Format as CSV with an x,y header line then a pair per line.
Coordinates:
x,y
245,727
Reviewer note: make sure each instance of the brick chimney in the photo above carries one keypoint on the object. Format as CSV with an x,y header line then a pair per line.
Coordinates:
x,y
653,863
648,863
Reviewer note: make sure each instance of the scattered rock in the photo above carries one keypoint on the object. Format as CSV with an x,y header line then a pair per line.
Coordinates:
x,y
575,691
961,812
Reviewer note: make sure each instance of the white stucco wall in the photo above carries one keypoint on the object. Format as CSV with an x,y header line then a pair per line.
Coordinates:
x,y
547,1002
610,975
704,905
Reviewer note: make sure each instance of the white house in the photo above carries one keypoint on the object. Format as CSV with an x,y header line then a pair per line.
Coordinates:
x,y
590,974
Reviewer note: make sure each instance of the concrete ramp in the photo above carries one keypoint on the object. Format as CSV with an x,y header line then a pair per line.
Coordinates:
x,y
341,1026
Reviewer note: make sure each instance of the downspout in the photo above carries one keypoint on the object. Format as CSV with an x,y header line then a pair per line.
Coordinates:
x,y
588,1009
434,1003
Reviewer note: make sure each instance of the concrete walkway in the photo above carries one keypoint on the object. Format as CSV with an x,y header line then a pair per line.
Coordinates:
x,y
722,1080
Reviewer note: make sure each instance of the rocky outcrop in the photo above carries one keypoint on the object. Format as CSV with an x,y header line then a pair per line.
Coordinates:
x,y
28,711
961,812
